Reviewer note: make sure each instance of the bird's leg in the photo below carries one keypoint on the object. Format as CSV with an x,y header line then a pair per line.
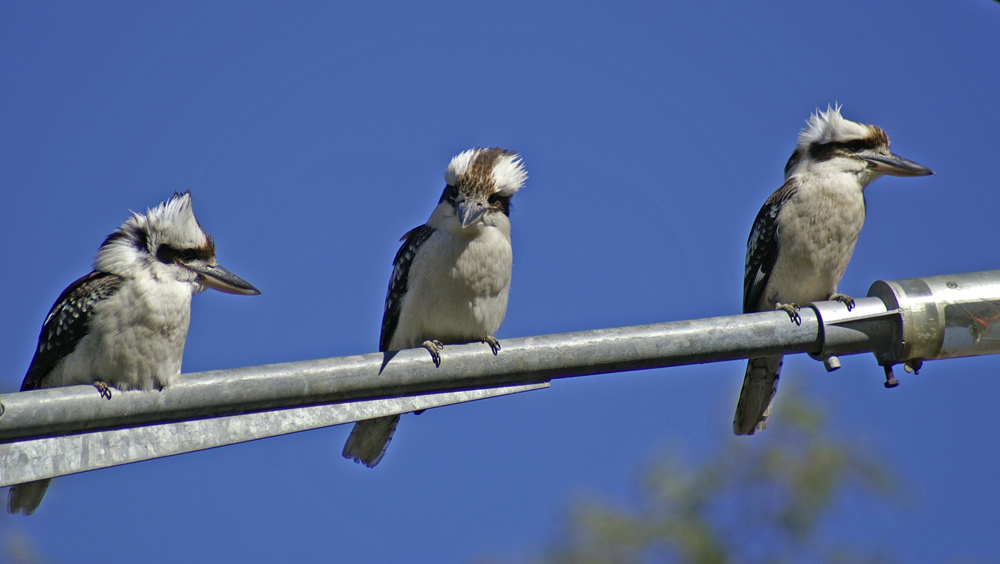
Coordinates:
x,y
792,310
434,347
846,300
493,343
103,388
890,379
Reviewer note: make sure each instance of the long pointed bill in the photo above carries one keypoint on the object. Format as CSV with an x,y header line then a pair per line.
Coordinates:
x,y
470,210
896,165
218,278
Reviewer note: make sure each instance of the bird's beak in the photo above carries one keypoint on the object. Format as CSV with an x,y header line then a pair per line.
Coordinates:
x,y
895,165
218,278
470,210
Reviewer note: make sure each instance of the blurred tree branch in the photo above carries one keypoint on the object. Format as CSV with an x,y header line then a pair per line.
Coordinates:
x,y
757,500
16,547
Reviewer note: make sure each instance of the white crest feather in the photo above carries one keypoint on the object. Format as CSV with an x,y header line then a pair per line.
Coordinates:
x,y
171,222
508,172
824,127
459,165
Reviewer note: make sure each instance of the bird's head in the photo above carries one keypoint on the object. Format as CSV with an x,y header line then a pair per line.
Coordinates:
x,y
480,183
167,242
829,140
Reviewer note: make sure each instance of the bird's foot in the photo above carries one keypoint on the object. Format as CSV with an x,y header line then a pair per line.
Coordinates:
x,y
103,388
846,300
434,347
493,343
792,310
890,379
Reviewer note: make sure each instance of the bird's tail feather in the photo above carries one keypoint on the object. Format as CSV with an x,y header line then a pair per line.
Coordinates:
x,y
369,439
25,498
753,411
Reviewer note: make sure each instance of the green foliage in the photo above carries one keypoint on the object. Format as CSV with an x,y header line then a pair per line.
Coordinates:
x,y
760,499
17,548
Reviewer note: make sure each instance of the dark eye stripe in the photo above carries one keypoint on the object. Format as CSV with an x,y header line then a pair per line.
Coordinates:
x,y
168,254
449,195
876,140
821,151
501,202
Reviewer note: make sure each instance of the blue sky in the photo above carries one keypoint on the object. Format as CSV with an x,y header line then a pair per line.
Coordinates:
x,y
313,135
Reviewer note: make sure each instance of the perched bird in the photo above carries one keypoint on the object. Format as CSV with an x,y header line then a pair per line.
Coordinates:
x,y
451,277
805,233
124,324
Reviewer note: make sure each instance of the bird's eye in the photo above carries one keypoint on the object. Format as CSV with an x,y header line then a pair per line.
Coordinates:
x,y
856,146
166,253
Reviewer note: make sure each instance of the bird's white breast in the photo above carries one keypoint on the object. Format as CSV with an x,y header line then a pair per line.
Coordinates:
x,y
458,286
817,231
135,339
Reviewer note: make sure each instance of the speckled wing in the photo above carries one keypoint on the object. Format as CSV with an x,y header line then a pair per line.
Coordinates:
x,y
398,283
762,246
67,323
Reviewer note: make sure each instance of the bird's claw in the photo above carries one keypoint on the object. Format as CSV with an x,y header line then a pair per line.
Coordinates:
x,y
434,347
103,388
792,310
846,300
493,343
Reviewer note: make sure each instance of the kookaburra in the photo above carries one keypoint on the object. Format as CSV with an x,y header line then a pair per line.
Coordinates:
x,y
451,277
124,324
804,235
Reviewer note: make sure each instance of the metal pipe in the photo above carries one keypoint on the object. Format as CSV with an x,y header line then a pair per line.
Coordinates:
x,y
46,433
526,360
47,457
948,316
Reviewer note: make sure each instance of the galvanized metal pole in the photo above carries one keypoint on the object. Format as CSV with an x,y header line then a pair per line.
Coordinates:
x,y
46,433
525,360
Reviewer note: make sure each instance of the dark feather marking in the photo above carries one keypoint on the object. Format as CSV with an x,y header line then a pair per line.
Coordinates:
x,y
762,246
502,203
449,195
67,323
877,139
138,238
793,160
398,284
168,254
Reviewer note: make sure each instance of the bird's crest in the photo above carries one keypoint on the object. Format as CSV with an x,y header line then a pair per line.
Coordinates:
x,y
494,171
827,131
830,126
170,223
